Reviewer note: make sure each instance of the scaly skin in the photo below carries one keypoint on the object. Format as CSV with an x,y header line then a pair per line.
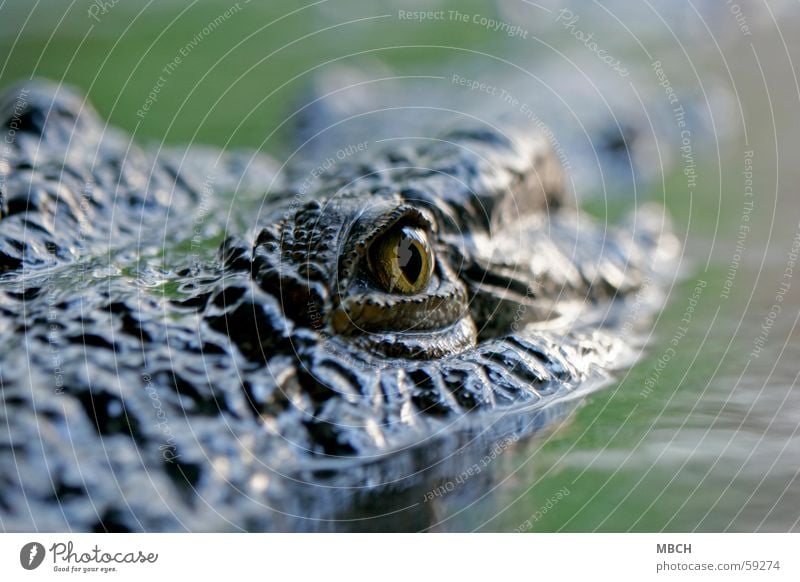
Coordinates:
x,y
163,391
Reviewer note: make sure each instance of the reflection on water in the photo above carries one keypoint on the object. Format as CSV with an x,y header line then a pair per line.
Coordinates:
x,y
416,488
713,447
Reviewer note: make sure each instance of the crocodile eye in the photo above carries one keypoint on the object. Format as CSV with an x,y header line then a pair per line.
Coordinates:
x,y
402,260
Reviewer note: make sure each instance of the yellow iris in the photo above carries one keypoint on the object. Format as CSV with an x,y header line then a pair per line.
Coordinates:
x,y
402,260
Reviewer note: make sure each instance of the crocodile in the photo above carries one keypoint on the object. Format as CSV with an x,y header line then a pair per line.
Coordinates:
x,y
172,357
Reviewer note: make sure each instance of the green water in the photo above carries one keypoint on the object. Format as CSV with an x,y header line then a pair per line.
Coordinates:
x,y
708,441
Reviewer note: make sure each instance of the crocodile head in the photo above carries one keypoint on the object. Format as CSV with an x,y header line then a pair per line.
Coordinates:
x,y
429,280
360,308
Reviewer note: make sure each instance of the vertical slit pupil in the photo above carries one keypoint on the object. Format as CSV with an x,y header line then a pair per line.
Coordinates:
x,y
412,265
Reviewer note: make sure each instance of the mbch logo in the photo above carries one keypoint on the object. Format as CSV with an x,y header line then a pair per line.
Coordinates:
x,y
31,555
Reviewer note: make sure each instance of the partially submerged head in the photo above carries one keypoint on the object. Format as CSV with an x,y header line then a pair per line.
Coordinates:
x,y
436,278
397,294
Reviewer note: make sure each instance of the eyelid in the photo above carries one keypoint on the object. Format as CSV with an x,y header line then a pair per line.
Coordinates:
x,y
371,223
